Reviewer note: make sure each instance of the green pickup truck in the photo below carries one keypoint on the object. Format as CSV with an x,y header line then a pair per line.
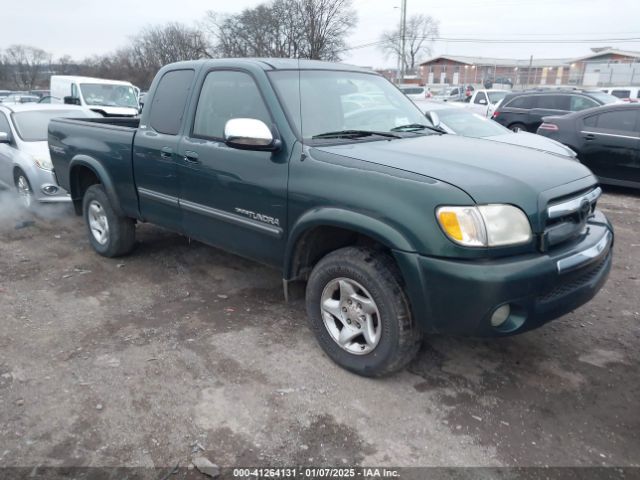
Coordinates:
x,y
330,174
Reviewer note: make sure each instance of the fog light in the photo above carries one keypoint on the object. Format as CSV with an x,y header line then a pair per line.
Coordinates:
x,y
500,315
50,189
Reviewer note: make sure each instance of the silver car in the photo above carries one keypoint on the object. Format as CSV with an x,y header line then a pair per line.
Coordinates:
x,y
24,154
460,121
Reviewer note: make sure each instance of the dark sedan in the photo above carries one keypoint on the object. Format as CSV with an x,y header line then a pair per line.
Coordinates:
x,y
607,140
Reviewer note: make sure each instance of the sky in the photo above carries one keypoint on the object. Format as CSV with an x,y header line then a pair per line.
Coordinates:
x,y
83,28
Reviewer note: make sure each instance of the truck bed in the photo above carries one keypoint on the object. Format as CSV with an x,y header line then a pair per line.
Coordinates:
x,y
97,143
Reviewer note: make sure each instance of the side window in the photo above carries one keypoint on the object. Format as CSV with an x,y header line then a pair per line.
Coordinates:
x,y
481,96
618,120
4,124
553,102
621,93
524,101
169,101
226,95
591,121
581,103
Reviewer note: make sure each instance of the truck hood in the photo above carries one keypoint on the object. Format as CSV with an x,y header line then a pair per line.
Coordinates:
x,y
488,171
531,140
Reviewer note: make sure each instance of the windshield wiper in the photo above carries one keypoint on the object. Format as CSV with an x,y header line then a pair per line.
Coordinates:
x,y
412,127
355,134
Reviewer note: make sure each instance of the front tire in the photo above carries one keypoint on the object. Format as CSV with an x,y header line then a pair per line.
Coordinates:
x,y
110,235
23,187
359,312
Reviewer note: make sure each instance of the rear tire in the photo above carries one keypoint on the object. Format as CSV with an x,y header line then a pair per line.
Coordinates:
x,y
110,235
518,127
359,312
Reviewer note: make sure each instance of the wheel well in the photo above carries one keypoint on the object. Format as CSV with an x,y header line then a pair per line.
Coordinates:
x,y
17,170
81,178
317,242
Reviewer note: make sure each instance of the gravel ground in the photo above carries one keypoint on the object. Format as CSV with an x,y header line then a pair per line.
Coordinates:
x,y
181,348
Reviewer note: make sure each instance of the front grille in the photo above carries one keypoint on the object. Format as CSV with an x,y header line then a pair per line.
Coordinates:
x,y
577,281
567,218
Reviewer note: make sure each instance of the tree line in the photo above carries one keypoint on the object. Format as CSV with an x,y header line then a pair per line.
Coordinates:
x,y
309,29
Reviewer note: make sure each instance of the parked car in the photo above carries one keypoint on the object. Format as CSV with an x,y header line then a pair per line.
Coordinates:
x,y
415,92
20,98
524,110
459,121
397,229
457,94
482,102
24,156
607,140
626,94
106,97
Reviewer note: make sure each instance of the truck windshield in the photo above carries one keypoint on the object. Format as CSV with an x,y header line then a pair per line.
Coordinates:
x,y
323,101
32,125
109,95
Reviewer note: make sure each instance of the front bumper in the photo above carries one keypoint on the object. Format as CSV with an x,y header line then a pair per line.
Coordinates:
x,y
460,296
46,188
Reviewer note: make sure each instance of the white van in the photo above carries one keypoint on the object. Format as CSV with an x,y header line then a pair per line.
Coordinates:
x,y
626,94
107,97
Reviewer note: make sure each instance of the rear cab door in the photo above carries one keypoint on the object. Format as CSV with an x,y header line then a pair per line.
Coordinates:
x,y
155,148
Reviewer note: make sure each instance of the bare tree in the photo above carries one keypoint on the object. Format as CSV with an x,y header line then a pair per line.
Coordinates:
x,y
147,52
27,66
313,29
422,31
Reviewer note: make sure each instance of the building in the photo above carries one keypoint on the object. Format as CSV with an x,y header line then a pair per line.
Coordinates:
x,y
604,66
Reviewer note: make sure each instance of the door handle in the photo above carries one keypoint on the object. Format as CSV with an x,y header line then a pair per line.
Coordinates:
x,y
589,136
166,152
191,157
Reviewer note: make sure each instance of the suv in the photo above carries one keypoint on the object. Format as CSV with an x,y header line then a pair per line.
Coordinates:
x,y
524,110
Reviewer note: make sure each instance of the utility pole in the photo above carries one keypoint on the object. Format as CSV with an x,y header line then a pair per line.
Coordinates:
x,y
403,40
529,71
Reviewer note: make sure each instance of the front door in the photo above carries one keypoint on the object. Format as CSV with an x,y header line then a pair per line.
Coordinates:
x,y
234,199
611,141
155,150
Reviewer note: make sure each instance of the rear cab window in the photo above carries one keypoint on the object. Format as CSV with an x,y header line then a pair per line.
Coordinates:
x,y
170,101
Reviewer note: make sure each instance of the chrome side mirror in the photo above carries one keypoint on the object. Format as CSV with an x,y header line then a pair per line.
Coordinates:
x,y
249,134
5,137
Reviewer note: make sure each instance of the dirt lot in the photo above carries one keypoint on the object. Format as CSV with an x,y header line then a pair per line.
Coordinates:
x,y
142,360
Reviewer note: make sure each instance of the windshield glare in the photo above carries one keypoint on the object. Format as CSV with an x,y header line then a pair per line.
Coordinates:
x,y
32,125
109,95
470,124
320,101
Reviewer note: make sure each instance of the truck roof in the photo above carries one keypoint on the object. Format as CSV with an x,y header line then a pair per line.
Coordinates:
x,y
275,64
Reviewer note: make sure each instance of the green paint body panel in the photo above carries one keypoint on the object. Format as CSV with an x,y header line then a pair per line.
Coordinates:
x,y
386,190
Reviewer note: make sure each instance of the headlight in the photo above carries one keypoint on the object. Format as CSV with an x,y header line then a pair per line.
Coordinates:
x,y
44,163
485,225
